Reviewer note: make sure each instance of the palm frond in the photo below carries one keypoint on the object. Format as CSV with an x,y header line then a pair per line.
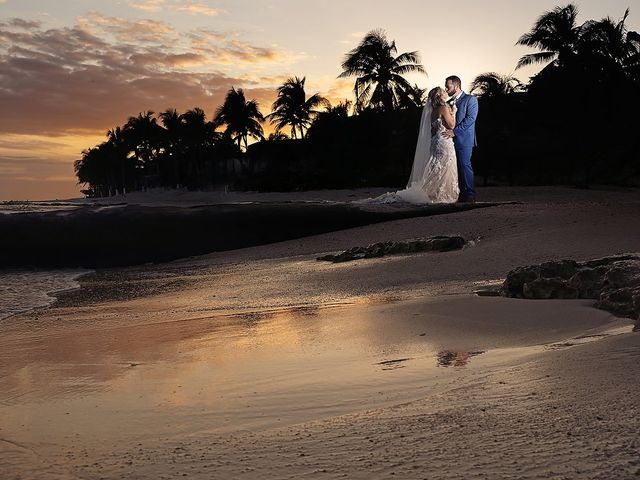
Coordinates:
x,y
531,58
408,58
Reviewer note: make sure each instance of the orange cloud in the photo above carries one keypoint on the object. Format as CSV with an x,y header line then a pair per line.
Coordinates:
x,y
227,49
126,30
148,5
191,8
198,9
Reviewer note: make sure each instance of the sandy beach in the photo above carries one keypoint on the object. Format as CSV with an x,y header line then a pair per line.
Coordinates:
x,y
263,362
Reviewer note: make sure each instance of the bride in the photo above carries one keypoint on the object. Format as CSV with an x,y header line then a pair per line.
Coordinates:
x,y
434,175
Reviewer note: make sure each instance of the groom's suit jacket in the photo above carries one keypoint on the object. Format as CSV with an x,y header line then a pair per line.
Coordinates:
x,y
465,130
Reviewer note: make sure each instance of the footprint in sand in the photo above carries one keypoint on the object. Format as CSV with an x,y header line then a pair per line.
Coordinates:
x,y
393,364
448,358
579,340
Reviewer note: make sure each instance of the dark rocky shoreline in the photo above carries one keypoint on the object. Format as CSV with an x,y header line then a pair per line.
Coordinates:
x,y
95,237
614,282
376,250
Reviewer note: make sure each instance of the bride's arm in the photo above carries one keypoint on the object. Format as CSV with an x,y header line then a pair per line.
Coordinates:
x,y
448,116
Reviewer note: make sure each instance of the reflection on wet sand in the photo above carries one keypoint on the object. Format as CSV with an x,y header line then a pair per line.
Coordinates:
x,y
125,372
298,310
447,358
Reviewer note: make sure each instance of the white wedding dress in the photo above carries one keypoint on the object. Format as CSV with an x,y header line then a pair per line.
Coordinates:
x,y
434,175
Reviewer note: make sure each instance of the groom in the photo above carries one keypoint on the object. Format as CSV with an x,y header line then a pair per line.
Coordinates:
x,y
464,135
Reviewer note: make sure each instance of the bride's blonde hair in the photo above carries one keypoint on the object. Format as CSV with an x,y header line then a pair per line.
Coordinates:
x,y
435,96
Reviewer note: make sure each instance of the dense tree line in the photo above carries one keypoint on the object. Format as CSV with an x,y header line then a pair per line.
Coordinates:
x,y
576,121
573,122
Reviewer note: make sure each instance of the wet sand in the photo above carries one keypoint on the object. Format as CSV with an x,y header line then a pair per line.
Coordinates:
x,y
264,363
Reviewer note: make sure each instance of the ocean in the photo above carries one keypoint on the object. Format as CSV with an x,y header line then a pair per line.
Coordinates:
x,y
23,290
26,206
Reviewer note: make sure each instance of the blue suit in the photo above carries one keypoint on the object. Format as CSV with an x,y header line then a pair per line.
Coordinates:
x,y
464,140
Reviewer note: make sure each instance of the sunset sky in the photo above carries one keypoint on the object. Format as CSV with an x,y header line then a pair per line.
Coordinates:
x,y
72,69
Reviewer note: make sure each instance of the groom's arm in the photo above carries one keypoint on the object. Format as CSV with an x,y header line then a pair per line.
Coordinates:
x,y
469,118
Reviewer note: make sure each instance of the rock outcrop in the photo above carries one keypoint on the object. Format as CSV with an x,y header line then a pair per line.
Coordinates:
x,y
437,244
614,282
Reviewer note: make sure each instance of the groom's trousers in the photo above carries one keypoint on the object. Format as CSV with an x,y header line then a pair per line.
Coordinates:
x,y
465,172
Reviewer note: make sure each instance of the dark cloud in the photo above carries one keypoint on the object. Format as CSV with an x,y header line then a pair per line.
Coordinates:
x,y
25,24
95,74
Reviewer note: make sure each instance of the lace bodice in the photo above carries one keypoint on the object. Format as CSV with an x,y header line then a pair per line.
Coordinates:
x,y
437,126
441,147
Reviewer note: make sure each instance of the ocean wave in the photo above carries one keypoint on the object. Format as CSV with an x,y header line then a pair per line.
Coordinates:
x,y
26,206
24,290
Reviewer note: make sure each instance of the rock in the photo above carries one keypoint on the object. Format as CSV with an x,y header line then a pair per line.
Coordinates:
x,y
622,274
516,280
431,244
605,261
589,281
614,282
541,281
564,269
548,288
620,302
487,292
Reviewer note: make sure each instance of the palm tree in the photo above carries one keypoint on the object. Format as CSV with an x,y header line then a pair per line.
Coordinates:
x,y
379,81
242,117
142,133
172,122
96,168
196,130
493,84
608,44
173,144
333,118
277,137
556,34
633,61
415,97
200,137
341,110
293,108
86,169
121,150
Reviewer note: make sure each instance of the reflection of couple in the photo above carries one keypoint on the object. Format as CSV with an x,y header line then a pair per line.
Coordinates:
x,y
442,171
